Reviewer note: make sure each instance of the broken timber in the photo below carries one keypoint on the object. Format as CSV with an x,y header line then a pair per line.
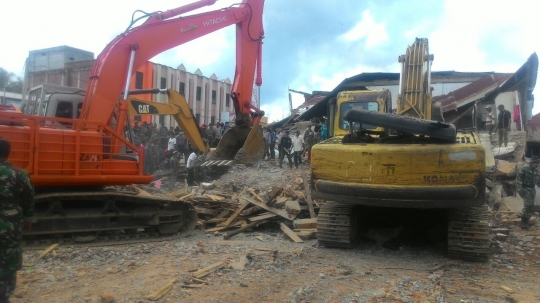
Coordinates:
x,y
290,233
276,211
308,196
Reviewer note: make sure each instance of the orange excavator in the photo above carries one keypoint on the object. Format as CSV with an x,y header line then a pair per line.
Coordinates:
x,y
78,165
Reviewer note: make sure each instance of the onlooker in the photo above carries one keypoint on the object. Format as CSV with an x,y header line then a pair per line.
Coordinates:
x,y
286,145
152,157
16,206
298,148
218,133
272,143
171,145
528,177
163,138
309,137
278,140
175,167
181,143
266,138
490,125
503,125
143,145
190,165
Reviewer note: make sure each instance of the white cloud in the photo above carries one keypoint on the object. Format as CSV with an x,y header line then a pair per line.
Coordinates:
x,y
374,33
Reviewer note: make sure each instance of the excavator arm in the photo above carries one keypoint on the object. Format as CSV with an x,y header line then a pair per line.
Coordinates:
x,y
176,107
120,59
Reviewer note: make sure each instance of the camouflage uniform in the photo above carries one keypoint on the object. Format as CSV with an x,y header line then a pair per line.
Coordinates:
x,y
210,135
527,177
309,139
16,202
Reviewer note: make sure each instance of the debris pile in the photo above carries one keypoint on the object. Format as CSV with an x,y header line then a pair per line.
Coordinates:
x,y
290,206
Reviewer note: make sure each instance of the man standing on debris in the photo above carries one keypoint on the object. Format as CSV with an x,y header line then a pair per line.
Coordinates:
x,y
272,143
16,205
171,145
489,120
266,138
298,148
190,165
309,137
527,177
286,145
503,125
175,168
278,140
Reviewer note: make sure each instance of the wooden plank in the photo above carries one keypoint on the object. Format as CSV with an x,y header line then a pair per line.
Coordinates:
x,y
276,211
236,213
305,223
158,294
47,250
220,228
235,232
290,233
262,217
308,196
256,196
203,272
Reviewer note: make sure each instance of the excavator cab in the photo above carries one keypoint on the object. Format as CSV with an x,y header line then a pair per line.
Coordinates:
x,y
242,144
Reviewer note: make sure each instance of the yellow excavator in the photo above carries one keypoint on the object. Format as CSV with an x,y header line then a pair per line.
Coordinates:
x,y
377,161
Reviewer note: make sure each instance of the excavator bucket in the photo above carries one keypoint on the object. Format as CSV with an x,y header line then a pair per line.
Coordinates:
x,y
241,143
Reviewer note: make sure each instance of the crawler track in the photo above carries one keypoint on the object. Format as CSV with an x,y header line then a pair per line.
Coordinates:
x,y
468,234
336,225
107,217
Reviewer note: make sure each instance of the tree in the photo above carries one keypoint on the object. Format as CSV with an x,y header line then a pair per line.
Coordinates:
x,y
10,82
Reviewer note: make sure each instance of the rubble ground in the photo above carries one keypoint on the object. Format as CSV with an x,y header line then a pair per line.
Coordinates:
x,y
265,265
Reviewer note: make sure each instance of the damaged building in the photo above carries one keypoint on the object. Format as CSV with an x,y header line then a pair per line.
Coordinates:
x,y
461,95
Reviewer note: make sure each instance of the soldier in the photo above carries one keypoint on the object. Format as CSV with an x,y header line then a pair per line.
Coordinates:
x,y
527,177
175,168
309,139
152,157
210,135
16,205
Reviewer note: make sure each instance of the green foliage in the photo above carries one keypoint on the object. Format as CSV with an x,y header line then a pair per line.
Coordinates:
x,y
10,82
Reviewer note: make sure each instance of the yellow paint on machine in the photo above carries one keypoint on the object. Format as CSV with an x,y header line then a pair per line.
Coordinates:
x,y
398,164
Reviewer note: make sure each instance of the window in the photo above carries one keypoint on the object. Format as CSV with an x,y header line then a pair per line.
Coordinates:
x,y
198,118
163,83
182,89
214,96
212,119
139,80
345,107
161,120
227,99
198,93
64,109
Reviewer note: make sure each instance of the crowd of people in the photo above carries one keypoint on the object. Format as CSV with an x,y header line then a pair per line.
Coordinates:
x,y
295,147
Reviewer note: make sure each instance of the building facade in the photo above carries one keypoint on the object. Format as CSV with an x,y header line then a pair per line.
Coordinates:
x,y
208,97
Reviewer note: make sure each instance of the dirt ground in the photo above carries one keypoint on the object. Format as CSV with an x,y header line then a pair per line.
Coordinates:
x,y
266,266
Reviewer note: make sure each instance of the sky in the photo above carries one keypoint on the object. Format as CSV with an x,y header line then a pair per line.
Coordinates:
x,y
309,44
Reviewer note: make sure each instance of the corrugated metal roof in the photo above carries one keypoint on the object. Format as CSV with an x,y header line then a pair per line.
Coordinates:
x,y
476,90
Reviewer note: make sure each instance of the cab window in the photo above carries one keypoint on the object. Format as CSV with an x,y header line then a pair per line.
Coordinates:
x,y
345,107
64,110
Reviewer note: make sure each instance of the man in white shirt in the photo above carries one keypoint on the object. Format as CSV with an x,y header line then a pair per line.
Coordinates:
x,y
171,146
190,165
298,148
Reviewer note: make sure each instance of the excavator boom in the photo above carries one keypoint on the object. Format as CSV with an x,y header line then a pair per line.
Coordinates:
x,y
116,64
